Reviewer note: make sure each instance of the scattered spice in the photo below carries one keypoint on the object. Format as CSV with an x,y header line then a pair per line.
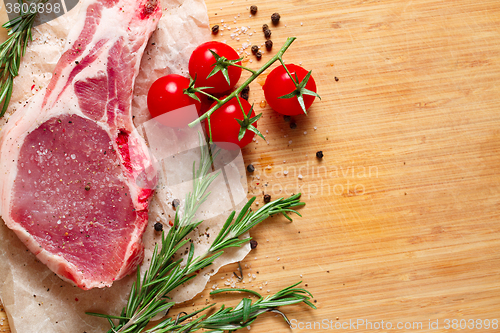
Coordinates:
x,y
87,187
336,79
267,33
250,168
269,44
254,49
287,118
293,125
175,203
265,27
253,244
275,18
215,29
244,93
267,198
258,55
253,9
319,154
158,226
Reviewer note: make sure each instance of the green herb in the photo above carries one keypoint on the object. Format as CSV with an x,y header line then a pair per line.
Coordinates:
x,y
243,315
12,50
149,294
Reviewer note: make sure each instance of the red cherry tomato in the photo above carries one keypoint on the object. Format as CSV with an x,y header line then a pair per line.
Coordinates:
x,y
166,95
278,83
201,65
225,128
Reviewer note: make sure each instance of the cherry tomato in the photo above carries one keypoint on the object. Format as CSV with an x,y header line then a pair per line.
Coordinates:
x,y
225,128
278,83
167,94
201,65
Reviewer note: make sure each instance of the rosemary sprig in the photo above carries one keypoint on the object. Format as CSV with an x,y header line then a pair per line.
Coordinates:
x,y
13,49
232,319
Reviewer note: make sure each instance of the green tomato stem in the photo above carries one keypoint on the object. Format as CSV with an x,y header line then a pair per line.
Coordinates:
x,y
289,74
245,68
241,108
254,75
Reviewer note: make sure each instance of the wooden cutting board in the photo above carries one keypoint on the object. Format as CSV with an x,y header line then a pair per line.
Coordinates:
x,y
402,217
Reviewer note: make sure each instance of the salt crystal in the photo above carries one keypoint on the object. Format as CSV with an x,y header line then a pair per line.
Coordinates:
x,y
285,172
73,156
290,142
278,259
300,176
221,21
301,23
315,128
305,132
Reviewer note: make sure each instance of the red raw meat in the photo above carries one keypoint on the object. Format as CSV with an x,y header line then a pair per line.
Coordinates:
x,y
73,171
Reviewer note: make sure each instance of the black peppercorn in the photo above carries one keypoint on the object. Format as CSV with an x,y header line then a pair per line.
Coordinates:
x,y
265,27
319,154
253,9
255,49
269,44
253,244
215,29
267,198
158,226
293,125
336,79
258,55
250,168
267,33
275,18
244,92
176,203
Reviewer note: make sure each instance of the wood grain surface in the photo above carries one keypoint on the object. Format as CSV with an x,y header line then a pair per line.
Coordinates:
x,y
402,217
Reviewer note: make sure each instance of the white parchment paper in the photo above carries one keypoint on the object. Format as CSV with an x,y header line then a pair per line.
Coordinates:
x,y
36,300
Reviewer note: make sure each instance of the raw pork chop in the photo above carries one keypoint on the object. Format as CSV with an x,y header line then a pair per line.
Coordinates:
x,y
70,160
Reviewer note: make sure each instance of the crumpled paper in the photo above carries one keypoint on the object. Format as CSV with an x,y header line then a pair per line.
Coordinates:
x,y
38,301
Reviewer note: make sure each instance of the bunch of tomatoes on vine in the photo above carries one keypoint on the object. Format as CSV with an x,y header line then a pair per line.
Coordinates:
x,y
214,70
